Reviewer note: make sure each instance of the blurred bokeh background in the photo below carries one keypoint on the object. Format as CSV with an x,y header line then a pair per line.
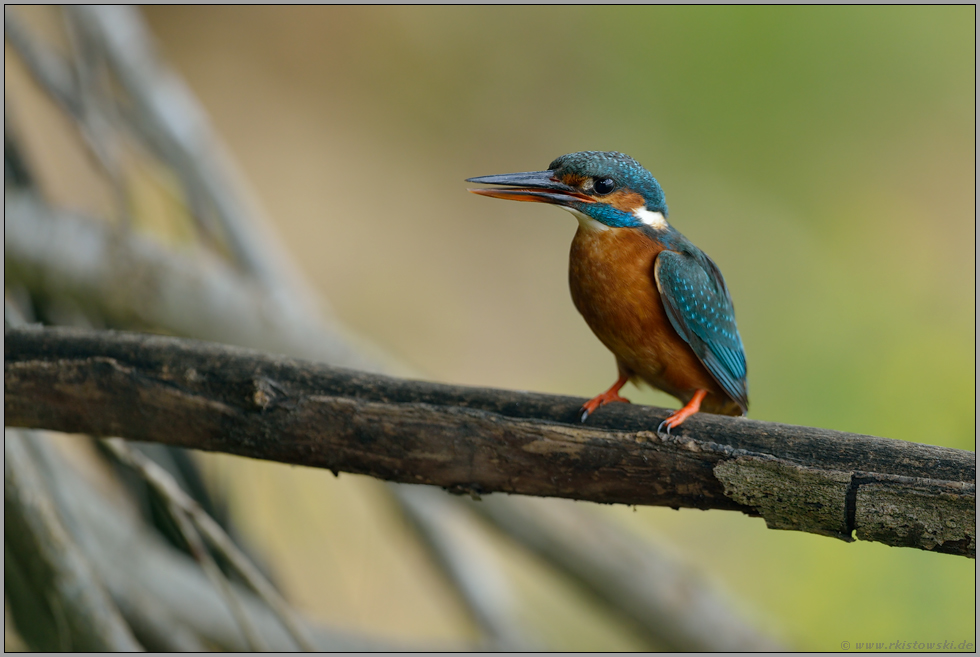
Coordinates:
x,y
824,157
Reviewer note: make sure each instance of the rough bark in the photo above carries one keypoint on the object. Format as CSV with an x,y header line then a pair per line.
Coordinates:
x,y
478,440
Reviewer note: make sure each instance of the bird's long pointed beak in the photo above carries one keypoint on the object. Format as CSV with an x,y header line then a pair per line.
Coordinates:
x,y
534,186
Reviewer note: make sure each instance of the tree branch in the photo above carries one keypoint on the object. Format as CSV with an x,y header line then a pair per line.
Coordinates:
x,y
478,440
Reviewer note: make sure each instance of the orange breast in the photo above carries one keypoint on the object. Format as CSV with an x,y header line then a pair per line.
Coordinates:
x,y
611,278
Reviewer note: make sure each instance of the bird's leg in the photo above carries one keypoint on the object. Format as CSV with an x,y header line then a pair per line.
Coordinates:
x,y
690,408
611,395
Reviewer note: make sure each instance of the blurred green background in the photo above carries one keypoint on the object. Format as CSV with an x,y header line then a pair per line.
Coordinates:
x,y
823,156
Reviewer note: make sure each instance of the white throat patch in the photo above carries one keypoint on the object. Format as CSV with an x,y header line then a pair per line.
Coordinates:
x,y
587,222
654,220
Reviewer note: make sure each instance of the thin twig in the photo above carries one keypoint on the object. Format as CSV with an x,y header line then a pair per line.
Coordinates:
x,y
204,558
187,507
164,485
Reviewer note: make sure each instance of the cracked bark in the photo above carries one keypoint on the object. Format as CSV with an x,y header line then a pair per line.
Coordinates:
x,y
479,440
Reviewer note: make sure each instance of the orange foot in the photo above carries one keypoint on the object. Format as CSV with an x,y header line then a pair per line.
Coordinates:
x,y
611,395
689,409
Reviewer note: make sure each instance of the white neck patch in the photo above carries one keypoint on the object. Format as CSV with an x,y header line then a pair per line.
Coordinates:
x,y
654,220
587,222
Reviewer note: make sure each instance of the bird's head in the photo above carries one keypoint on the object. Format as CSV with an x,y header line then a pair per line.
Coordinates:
x,y
605,186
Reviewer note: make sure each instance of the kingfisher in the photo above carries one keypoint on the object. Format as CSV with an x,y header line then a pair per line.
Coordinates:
x,y
655,300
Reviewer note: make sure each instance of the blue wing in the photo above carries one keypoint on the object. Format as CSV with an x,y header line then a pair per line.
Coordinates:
x,y
700,310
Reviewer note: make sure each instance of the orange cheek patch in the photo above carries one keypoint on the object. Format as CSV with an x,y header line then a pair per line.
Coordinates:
x,y
625,200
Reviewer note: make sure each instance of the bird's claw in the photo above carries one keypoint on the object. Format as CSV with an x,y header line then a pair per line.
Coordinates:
x,y
608,396
660,428
592,405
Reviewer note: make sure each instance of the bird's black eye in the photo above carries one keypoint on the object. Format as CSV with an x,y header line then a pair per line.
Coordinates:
x,y
604,186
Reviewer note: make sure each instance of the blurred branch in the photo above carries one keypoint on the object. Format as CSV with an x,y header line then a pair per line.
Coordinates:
x,y
45,562
49,69
167,117
210,568
225,399
161,480
77,87
132,280
157,587
451,534
667,601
